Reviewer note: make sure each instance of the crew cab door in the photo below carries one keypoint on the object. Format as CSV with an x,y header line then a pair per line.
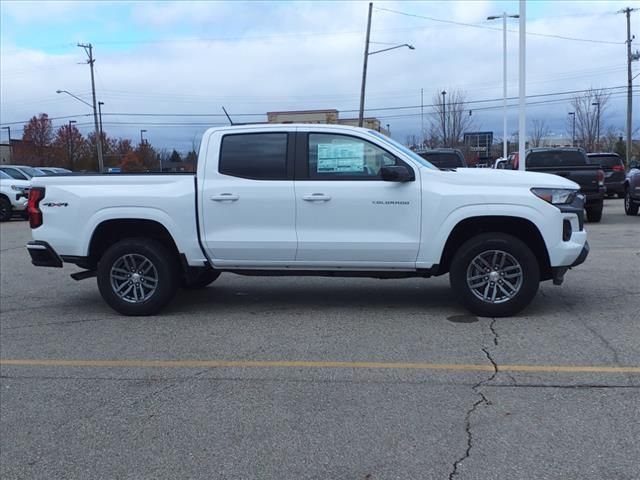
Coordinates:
x,y
247,198
346,214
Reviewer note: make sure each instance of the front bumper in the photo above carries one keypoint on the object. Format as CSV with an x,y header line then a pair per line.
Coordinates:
x,y
557,273
43,255
20,202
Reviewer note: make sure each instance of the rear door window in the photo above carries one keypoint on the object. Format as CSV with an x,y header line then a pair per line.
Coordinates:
x,y
256,156
605,160
555,159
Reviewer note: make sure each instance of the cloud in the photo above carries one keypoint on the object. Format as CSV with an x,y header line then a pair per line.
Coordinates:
x,y
258,57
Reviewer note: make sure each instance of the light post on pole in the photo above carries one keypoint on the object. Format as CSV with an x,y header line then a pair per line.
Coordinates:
x,y
597,105
389,129
444,119
573,130
69,144
141,138
10,146
367,53
504,17
97,129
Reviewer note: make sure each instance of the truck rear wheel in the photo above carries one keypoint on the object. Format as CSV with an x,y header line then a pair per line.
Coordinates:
x,y
137,276
594,214
495,275
5,209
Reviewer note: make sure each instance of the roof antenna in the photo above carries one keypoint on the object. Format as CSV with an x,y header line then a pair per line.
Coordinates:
x,y
225,112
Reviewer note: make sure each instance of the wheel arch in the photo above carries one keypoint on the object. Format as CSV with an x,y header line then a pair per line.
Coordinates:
x,y
109,232
521,228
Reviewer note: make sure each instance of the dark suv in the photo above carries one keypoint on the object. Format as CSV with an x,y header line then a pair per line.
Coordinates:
x,y
444,158
613,168
632,189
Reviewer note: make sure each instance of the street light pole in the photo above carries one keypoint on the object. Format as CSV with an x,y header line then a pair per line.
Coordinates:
x,y
364,67
100,116
69,142
522,71
573,130
597,105
142,139
10,146
504,17
365,63
444,119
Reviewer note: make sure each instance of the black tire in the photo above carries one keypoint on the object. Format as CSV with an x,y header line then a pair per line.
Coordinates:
x,y
629,207
6,210
594,214
119,258
485,244
201,279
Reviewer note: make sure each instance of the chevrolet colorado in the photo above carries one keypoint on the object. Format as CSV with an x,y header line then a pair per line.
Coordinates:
x,y
310,200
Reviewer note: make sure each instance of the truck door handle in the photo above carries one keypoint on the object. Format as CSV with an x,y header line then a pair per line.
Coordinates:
x,y
317,197
225,197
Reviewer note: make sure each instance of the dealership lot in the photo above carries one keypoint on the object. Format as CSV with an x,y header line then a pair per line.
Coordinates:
x,y
276,378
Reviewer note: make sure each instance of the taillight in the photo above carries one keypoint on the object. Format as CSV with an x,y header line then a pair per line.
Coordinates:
x,y
600,178
618,168
33,206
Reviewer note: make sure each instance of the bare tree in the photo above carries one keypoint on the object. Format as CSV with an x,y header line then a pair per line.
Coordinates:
x,y
539,130
452,118
586,107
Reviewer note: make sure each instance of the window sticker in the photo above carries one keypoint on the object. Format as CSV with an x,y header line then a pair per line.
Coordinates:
x,y
340,157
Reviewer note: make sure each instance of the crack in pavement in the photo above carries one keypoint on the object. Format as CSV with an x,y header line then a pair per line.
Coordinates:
x,y
481,401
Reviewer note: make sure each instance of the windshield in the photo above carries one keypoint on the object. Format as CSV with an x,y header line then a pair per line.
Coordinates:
x,y
32,172
404,149
555,158
4,176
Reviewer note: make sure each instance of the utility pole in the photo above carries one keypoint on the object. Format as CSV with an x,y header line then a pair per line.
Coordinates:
x,y
364,68
597,105
630,57
69,144
89,51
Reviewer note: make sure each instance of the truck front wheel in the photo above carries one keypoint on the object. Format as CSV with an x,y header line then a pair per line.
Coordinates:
x,y
5,209
137,276
495,275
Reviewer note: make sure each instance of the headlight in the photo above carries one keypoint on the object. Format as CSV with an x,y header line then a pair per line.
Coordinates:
x,y
555,196
17,189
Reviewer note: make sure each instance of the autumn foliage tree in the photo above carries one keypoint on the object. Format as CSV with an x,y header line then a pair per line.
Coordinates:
x,y
36,140
69,146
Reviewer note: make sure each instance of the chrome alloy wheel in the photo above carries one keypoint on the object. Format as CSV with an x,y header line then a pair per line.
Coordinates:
x,y
133,278
494,276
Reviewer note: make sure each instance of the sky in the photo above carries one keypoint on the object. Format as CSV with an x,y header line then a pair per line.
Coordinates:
x,y
169,67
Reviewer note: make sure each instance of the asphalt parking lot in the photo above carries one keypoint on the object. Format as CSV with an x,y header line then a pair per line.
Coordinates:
x,y
314,378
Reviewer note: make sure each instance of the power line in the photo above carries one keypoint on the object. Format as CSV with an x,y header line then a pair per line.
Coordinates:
x,y
486,27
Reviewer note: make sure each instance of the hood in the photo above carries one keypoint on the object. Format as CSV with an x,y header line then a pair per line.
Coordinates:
x,y
506,178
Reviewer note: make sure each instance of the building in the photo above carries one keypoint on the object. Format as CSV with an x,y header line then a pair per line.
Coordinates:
x,y
330,116
5,154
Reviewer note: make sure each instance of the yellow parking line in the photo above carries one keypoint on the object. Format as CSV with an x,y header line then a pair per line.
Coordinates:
x,y
313,364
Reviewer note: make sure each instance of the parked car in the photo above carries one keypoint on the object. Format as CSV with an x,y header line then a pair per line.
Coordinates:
x,y
614,173
632,189
53,170
21,172
303,199
13,196
571,163
444,158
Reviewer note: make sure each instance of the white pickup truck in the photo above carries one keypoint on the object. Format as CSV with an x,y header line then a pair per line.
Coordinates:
x,y
310,200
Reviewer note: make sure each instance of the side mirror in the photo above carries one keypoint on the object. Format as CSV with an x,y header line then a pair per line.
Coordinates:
x,y
397,173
